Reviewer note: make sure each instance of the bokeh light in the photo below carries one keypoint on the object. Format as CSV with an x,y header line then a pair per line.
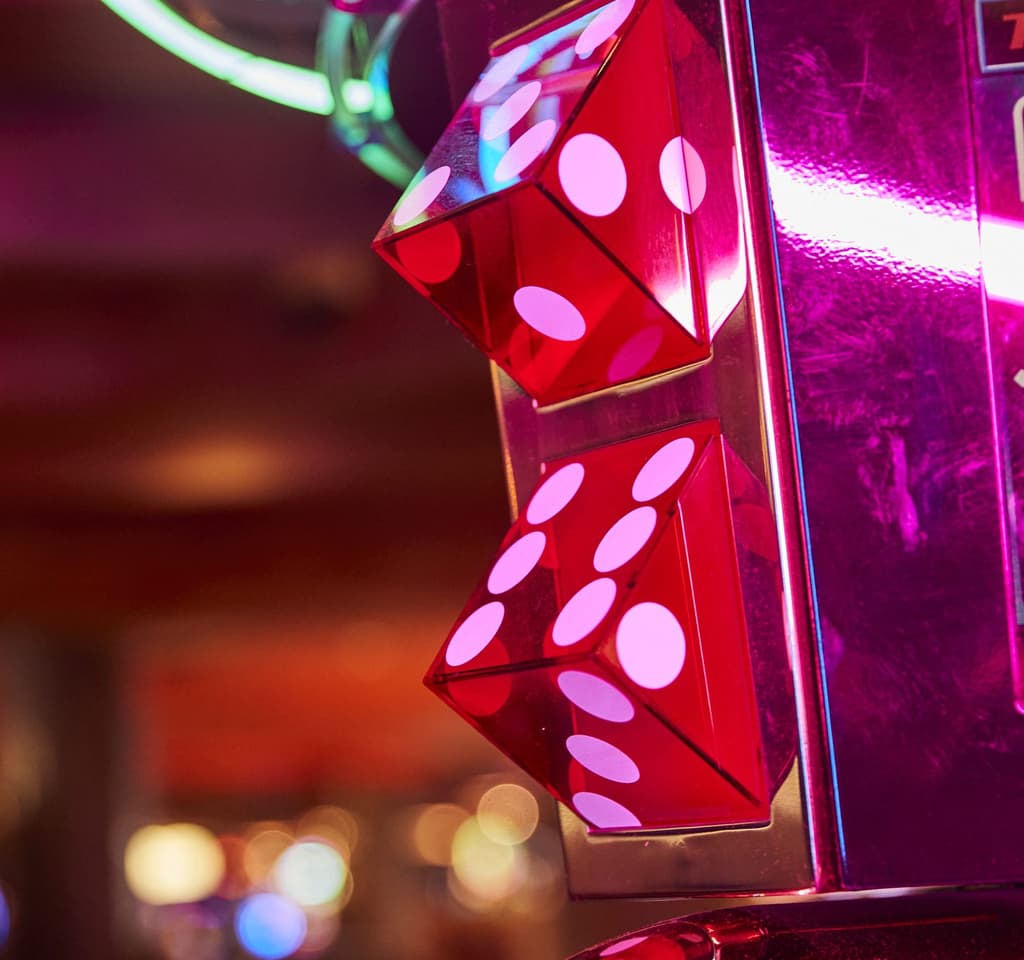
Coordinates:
x,y
470,791
190,932
269,926
265,842
543,894
311,873
321,931
346,896
333,824
433,830
487,870
508,814
176,863
5,919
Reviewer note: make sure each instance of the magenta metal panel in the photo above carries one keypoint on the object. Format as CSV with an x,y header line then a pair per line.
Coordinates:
x,y
867,128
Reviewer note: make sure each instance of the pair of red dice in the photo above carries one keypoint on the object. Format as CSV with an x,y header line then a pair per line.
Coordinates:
x,y
580,221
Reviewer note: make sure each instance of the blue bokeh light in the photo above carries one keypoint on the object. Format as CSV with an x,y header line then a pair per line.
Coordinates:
x,y
270,927
5,919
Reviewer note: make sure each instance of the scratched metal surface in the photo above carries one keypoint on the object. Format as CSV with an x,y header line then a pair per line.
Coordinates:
x,y
867,129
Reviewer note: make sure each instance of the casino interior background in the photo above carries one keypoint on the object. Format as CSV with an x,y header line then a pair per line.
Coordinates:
x,y
248,480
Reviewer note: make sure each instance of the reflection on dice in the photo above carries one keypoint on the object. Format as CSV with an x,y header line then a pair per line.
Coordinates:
x,y
606,652
577,220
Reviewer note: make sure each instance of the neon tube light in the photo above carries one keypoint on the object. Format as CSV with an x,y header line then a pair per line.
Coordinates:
x,y
283,83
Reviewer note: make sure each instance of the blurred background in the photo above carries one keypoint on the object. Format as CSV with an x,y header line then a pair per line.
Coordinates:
x,y
248,479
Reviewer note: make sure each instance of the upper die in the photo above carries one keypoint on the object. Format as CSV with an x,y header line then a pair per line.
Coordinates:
x,y
566,221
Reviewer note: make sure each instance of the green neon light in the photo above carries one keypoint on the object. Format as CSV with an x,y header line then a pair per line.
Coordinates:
x,y
383,162
358,95
281,82
355,55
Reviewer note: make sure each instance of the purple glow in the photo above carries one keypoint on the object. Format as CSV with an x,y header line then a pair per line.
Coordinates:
x,y
602,812
513,110
422,196
603,758
517,562
663,469
525,150
555,493
650,645
499,73
603,26
474,634
583,612
625,539
595,696
549,313
592,175
682,173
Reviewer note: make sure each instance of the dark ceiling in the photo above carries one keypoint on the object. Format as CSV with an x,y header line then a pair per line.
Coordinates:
x,y
213,397
235,447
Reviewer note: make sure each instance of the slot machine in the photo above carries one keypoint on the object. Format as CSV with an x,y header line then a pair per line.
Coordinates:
x,y
750,277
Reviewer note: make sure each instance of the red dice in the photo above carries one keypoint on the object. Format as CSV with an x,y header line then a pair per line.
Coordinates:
x,y
606,651
578,220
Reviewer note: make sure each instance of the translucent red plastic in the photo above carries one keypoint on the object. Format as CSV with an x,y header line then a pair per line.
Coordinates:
x,y
605,651
576,220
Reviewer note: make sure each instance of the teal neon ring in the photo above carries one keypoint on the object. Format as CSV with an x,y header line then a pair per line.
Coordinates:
x,y
283,83
355,55
363,115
